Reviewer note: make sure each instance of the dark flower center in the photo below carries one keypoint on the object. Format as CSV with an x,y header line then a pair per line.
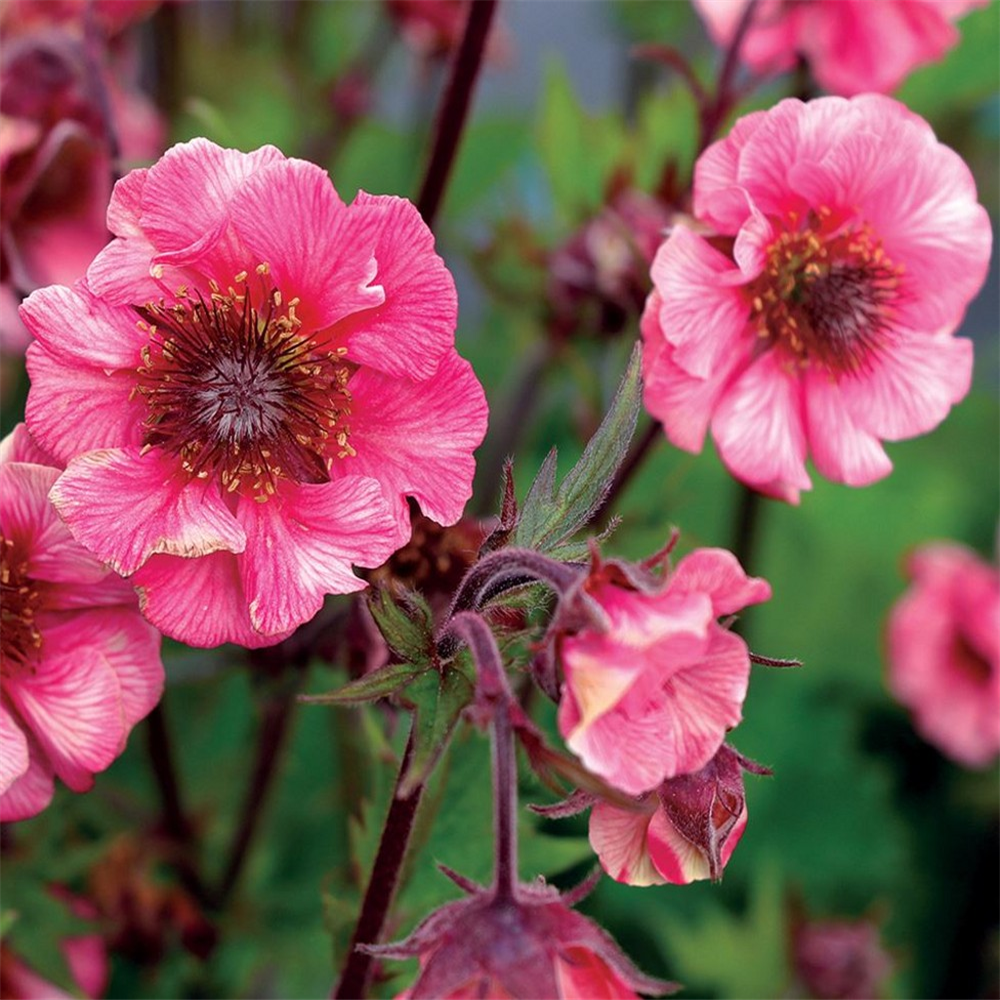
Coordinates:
x,y
239,393
19,635
827,293
969,660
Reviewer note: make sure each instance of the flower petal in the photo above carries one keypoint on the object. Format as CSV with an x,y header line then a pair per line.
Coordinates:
x,y
13,749
414,328
417,438
718,573
300,546
31,792
125,508
618,837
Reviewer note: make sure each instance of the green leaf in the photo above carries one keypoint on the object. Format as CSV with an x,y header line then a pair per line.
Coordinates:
x,y
547,520
438,699
7,920
406,624
377,684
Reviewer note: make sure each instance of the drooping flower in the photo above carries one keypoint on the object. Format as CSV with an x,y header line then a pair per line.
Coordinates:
x,y
684,830
944,652
838,246
489,947
652,686
80,667
852,46
247,386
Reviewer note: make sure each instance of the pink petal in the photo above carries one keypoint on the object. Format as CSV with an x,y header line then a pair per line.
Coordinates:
x,y
20,446
199,601
53,554
187,195
125,508
75,408
122,273
300,546
677,860
910,386
758,429
702,314
13,749
129,645
72,705
841,450
414,328
87,958
26,984
718,573
289,216
31,793
125,207
681,402
618,837
417,438
75,325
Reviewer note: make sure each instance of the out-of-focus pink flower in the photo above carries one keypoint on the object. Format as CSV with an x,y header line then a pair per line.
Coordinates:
x,y
599,279
86,956
944,652
812,308
486,947
683,831
56,96
111,16
840,959
852,46
79,665
650,691
247,387
434,28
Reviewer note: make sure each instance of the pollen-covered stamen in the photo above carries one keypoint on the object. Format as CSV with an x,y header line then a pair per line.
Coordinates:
x,y
20,638
239,393
827,293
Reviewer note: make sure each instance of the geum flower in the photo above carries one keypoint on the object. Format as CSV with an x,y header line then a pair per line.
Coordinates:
x,y
812,306
653,684
944,651
683,831
852,46
78,665
247,387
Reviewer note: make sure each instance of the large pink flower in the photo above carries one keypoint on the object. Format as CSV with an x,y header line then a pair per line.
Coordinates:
x,y
852,46
79,665
944,652
649,694
812,309
247,387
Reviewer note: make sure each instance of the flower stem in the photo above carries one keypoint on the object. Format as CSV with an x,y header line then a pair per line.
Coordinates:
x,y
504,804
746,526
174,820
382,885
455,107
277,714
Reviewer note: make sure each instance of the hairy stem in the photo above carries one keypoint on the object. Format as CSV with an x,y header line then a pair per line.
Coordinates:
x,y
455,107
173,817
382,885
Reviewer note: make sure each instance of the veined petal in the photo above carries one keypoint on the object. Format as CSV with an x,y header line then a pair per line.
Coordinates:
x,y
719,574
301,544
13,749
413,330
31,792
618,837
125,508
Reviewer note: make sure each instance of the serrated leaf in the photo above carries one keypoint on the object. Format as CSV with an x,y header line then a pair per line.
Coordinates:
x,y
548,522
378,684
438,700
406,624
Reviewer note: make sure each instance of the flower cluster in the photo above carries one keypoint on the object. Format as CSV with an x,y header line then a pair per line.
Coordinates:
x,y
247,387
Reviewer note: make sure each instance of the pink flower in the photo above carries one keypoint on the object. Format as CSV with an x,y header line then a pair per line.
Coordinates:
x,y
813,307
247,387
852,46
840,959
55,157
650,691
685,830
944,652
79,665
487,947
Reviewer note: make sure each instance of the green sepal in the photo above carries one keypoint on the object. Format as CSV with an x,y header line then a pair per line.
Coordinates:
x,y
406,623
378,684
549,517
